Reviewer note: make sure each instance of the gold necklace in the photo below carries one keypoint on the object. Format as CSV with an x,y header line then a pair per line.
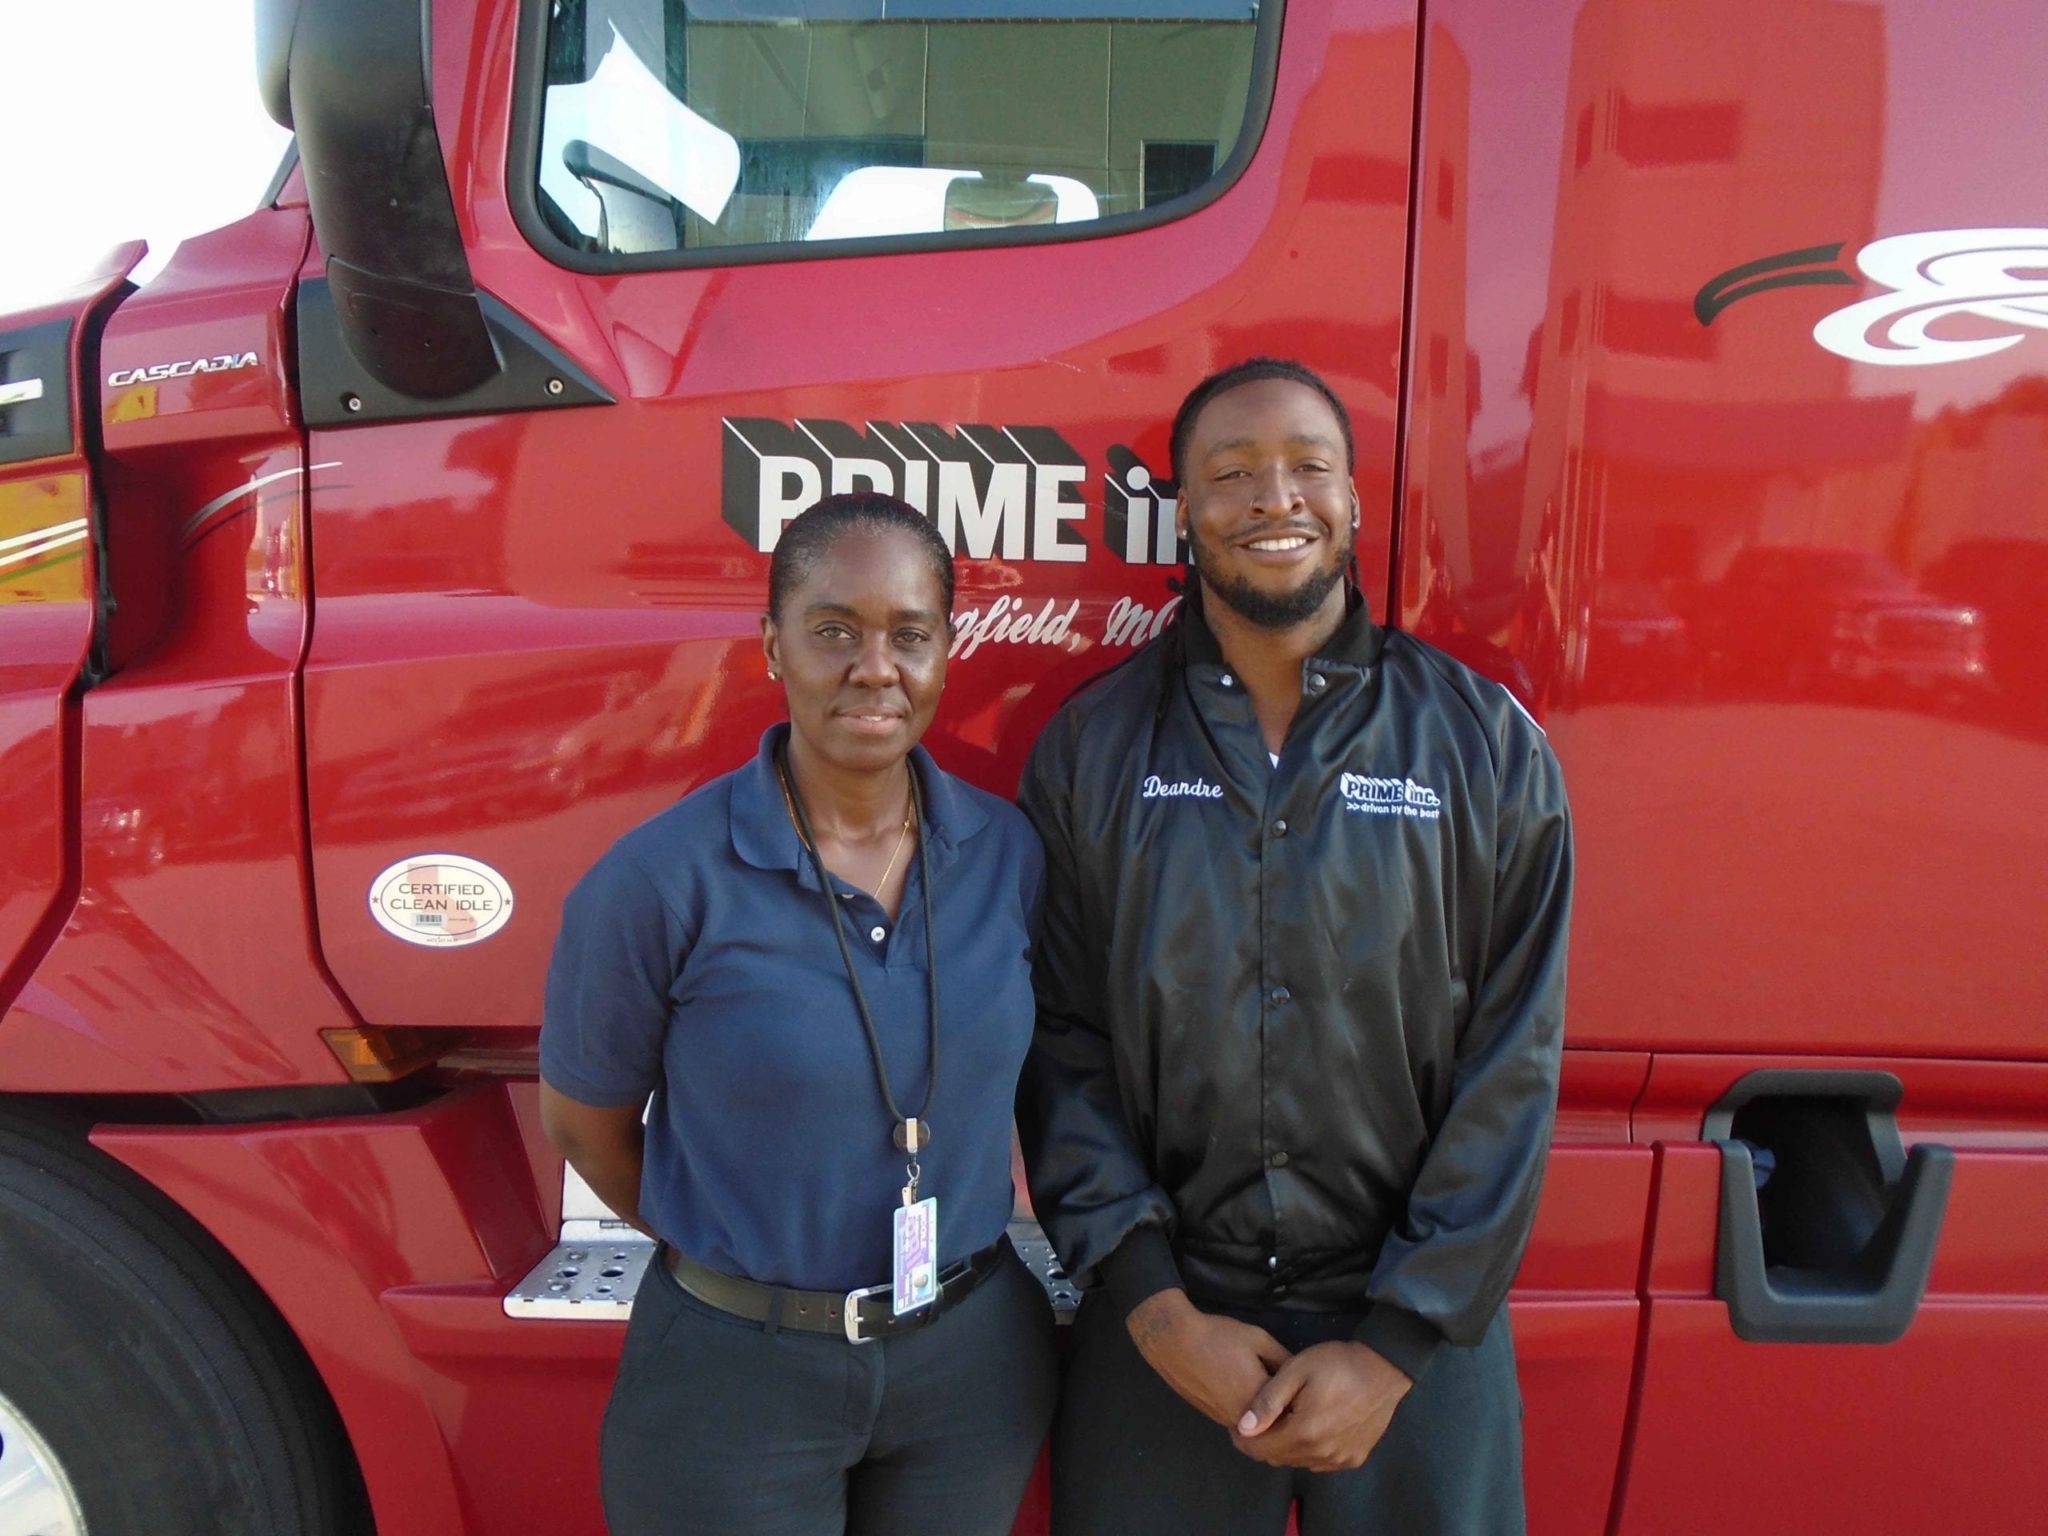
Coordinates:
x,y
888,869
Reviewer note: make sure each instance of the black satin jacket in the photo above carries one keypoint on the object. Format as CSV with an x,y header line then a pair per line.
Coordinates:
x,y
1304,1021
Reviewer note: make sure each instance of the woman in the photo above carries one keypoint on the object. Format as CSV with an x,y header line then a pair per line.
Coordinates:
x,y
827,1059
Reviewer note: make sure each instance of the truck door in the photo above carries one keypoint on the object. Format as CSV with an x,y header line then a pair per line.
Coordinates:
x,y
49,399
741,255
974,255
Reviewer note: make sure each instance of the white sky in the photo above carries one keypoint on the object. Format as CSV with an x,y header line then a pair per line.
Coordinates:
x,y
126,119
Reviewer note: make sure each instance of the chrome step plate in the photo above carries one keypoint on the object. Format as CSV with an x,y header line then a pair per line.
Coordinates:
x,y
590,1275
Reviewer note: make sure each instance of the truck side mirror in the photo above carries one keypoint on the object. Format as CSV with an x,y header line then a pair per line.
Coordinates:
x,y
351,79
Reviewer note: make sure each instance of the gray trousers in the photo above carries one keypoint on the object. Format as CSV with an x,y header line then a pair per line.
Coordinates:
x,y
719,1428
1131,1458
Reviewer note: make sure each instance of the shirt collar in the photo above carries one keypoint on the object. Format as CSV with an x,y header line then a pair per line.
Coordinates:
x,y
763,835
1357,642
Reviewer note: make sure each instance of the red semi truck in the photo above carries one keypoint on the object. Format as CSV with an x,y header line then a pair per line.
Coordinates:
x,y
369,571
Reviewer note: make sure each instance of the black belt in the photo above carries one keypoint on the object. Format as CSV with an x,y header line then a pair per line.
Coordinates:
x,y
861,1316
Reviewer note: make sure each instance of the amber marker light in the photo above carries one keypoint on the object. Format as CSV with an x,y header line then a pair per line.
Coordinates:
x,y
374,1054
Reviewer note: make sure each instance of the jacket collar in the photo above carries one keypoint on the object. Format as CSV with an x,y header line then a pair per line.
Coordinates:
x,y
764,837
1357,642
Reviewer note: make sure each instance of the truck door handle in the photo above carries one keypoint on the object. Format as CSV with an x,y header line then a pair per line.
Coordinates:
x,y
1828,1227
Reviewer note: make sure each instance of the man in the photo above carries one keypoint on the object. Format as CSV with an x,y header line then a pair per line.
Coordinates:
x,y
1300,1014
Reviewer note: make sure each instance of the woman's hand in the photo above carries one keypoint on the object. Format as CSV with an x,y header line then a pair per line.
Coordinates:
x,y
1216,1363
603,1145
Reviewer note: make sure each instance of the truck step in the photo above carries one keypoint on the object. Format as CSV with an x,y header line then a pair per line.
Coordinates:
x,y
589,1276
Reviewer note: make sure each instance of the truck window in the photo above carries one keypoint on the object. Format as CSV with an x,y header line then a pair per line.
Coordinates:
x,y
734,126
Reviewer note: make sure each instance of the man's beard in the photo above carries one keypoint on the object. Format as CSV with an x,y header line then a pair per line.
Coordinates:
x,y
1274,610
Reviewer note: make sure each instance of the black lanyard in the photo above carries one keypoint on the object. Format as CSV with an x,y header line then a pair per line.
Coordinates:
x,y
911,1133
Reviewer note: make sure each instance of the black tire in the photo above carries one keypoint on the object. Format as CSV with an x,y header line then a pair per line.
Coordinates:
x,y
166,1387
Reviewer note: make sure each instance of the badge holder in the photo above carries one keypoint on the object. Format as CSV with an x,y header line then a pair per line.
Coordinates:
x,y
915,1269
914,1244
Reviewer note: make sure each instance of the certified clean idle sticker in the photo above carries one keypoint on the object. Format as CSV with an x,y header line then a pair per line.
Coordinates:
x,y
441,900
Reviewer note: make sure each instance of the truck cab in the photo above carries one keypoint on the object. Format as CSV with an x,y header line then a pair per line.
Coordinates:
x,y
368,572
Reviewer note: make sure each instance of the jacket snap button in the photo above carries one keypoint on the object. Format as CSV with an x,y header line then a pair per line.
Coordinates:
x,y
1317,682
1278,995
1280,828
1228,680
1277,1160
1272,1261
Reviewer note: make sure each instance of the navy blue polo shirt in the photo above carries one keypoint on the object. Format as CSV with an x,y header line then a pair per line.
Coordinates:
x,y
695,965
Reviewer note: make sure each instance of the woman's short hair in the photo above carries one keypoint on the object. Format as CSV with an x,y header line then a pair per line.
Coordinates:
x,y
811,534
1252,370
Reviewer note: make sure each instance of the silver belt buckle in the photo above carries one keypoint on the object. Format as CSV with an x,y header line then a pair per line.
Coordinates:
x,y
852,1318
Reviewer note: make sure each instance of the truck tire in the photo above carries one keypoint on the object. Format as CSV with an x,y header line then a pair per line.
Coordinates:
x,y
145,1381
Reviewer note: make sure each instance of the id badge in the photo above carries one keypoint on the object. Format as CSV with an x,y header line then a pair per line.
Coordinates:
x,y
916,1247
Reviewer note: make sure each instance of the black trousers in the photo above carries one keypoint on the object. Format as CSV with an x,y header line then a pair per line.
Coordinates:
x,y
1131,1458
717,1427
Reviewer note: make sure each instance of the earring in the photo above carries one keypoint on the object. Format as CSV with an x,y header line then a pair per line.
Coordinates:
x,y
773,675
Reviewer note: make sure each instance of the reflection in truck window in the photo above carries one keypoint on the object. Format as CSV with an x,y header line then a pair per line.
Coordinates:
x,y
908,200
683,125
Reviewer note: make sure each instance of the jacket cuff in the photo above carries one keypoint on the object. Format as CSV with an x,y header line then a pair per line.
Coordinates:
x,y
1406,1340
1139,1268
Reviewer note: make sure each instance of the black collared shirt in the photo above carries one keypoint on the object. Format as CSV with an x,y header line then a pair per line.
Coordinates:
x,y
1306,1019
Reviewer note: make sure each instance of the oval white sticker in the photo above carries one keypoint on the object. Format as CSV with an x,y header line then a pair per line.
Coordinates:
x,y
441,900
